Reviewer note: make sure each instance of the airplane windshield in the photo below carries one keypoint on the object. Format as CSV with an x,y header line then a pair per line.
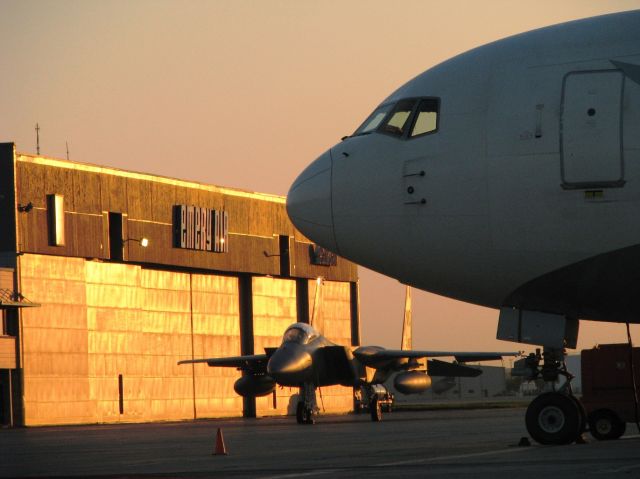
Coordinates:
x,y
295,335
406,118
374,120
397,121
300,333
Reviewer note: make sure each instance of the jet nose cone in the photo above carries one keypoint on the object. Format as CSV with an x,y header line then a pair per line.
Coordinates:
x,y
309,203
290,365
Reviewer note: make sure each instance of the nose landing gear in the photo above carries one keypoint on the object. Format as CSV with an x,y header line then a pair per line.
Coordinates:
x,y
307,405
557,416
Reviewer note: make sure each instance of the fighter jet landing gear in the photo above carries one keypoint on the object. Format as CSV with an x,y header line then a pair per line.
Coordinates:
x,y
557,416
374,397
307,405
375,407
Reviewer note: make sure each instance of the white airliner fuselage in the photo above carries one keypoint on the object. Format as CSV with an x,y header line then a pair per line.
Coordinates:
x,y
506,176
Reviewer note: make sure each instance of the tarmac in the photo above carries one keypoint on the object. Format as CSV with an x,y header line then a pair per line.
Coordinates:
x,y
478,443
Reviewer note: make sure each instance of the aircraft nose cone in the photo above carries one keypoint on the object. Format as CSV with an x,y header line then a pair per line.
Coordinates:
x,y
309,203
290,365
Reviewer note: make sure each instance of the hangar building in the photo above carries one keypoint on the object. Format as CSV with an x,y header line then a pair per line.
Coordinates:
x,y
93,322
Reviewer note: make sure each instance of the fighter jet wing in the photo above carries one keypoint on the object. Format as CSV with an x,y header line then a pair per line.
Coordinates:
x,y
250,362
373,354
460,356
443,368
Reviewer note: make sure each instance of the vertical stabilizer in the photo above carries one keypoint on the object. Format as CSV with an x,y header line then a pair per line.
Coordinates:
x,y
317,320
406,325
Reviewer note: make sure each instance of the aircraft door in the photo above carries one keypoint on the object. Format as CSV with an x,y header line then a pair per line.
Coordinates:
x,y
591,130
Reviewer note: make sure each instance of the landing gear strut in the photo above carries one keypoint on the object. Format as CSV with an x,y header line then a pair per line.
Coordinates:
x,y
307,405
555,417
376,398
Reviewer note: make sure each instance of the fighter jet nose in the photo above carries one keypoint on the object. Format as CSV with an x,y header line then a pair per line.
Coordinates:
x,y
290,365
309,203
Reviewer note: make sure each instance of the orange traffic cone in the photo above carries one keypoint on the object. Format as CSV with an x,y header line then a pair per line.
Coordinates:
x,y
220,448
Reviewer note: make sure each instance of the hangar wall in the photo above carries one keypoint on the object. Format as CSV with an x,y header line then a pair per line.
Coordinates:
x,y
113,321
99,322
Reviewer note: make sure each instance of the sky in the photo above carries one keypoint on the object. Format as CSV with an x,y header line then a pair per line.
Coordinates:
x,y
245,94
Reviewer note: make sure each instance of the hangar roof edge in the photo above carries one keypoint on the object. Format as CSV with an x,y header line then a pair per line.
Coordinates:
x,y
74,165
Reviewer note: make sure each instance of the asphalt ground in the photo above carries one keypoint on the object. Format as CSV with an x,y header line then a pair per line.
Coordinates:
x,y
477,443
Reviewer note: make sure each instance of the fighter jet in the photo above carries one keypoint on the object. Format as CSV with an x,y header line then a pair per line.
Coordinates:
x,y
308,360
508,177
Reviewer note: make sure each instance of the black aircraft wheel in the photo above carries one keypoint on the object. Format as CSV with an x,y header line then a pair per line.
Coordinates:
x,y
605,424
308,416
553,418
376,410
300,412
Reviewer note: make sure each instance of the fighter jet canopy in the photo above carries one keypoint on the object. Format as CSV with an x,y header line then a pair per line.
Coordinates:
x,y
300,333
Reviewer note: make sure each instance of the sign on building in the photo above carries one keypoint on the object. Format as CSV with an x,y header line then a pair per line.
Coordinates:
x,y
201,228
321,256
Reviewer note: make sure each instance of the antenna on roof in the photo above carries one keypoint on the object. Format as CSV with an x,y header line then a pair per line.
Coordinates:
x,y
37,139
67,144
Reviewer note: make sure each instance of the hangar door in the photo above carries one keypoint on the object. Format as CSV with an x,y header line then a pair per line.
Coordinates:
x,y
591,129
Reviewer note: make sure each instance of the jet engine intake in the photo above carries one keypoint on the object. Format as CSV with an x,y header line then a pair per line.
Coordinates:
x,y
412,382
254,385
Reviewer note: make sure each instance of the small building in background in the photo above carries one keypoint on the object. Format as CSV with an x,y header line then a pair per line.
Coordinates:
x,y
108,278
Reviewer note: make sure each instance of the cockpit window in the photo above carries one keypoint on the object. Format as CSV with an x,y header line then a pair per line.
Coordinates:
x,y
398,120
295,335
374,120
406,118
426,119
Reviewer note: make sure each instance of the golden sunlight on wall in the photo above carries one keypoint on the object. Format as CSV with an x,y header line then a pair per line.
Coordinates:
x,y
100,321
274,309
216,333
55,342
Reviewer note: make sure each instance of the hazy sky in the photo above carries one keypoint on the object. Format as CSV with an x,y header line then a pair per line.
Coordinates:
x,y
247,93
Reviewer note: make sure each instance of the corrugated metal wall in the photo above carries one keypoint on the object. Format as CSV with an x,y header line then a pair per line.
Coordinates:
x,y
216,332
99,321
274,309
102,320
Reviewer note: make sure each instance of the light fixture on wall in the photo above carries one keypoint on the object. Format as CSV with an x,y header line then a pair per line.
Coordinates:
x,y
270,255
25,208
144,242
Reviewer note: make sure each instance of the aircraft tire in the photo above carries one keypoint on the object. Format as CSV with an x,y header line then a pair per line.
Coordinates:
x,y
553,418
376,410
605,425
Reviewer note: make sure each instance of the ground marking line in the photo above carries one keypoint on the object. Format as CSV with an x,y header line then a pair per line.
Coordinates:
x,y
617,469
303,474
447,458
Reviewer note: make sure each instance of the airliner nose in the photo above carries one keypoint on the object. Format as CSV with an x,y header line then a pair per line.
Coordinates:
x,y
290,365
309,203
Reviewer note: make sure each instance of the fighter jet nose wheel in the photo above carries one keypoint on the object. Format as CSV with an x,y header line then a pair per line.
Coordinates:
x,y
304,415
554,418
